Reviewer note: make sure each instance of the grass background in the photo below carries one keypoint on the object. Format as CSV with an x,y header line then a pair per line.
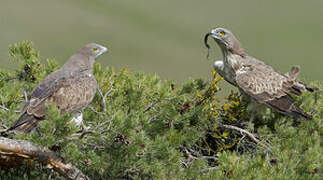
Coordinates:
x,y
166,36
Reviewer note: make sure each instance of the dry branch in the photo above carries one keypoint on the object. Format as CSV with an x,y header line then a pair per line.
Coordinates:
x,y
247,133
14,152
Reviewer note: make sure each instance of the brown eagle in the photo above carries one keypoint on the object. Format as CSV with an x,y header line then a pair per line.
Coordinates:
x,y
256,79
71,88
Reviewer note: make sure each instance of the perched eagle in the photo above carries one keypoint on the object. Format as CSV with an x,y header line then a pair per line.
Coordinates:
x,y
256,79
292,75
71,88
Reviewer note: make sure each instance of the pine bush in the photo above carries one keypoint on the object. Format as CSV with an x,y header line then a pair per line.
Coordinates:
x,y
139,126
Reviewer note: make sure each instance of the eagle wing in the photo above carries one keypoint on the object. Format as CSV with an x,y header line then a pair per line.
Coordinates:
x,y
69,93
267,86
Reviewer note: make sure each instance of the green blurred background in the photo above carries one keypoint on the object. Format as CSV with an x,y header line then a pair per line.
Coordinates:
x,y
166,36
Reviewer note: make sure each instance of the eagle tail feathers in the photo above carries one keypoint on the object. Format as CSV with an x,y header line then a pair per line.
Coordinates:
x,y
26,123
311,88
297,112
285,105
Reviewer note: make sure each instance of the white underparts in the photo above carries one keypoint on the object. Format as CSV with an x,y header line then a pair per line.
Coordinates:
x,y
78,119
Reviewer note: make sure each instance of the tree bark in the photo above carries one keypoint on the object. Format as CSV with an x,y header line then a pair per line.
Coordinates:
x,y
14,152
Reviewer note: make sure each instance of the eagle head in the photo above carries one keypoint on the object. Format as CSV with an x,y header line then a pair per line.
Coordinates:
x,y
93,50
226,40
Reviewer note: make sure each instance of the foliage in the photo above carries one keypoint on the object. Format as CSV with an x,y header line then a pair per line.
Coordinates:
x,y
141,127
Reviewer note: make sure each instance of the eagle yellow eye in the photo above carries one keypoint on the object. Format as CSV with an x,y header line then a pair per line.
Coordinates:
x,y
95,50
222,33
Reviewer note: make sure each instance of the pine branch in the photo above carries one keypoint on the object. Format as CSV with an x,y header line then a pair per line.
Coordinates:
x,y
13,152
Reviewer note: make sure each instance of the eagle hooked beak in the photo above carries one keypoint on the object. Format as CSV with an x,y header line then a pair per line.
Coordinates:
x,y
218,37
102,50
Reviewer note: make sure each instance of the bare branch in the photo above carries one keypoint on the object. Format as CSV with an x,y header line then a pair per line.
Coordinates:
x,y
150,106
4,108
249,134
104,96
100,92
243,131
188,153
92,109
209,169
26,96
13,151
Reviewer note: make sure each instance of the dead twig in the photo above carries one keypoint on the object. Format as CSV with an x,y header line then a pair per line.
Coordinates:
x,y
4,108
103,96
150,106
78,136
249,134
209,169
26,96
105,122
92,109
243,131
189,154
